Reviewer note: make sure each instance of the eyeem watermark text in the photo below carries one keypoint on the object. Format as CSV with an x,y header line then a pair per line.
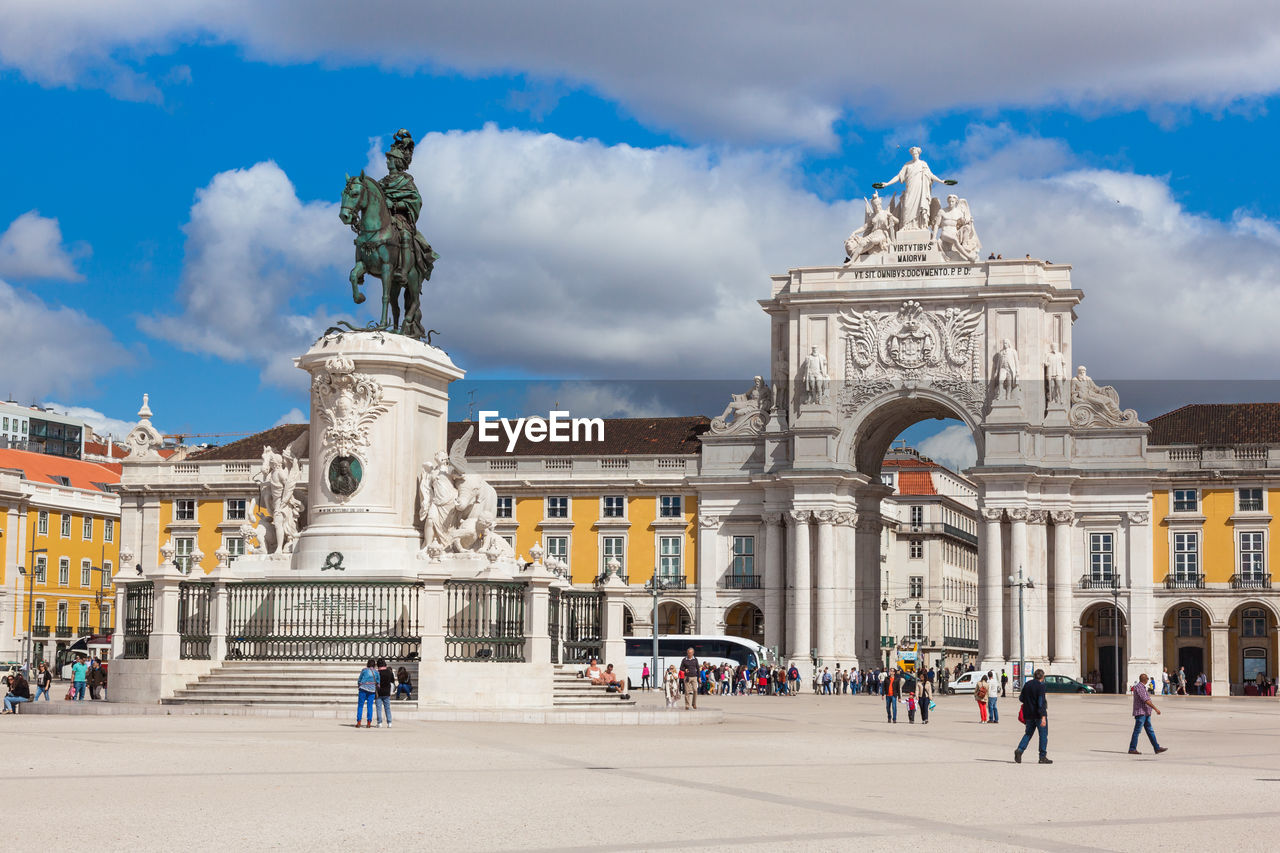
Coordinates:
x,y
557,426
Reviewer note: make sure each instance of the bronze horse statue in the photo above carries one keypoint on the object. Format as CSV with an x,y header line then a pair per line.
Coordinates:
x,y
378,253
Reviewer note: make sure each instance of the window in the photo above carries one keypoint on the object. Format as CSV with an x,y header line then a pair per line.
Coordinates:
x,y
62,614
915,624
1186,556
506,506
744,556
104,619
669,557
1253,623
85,626
1190,622
1185,500
917,517
66,525
86,529
613,550
1101,557
1107,622
614,506
557,507
41,566
183,546
107,571
236,509
670,506
234,546
916,588
1252,561
108,530
86,574
42,523
1250,500
38,618
917,549
887,479
64,572
558,546
184,510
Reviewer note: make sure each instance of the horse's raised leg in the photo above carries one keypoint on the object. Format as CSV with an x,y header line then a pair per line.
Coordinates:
x,y
357,279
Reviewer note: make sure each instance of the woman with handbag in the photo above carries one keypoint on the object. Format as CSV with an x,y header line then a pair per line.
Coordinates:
x,y
980,694
924,698
367,690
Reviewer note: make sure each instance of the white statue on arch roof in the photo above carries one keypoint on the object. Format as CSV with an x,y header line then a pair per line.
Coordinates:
x,y
912,205
953,227
877,233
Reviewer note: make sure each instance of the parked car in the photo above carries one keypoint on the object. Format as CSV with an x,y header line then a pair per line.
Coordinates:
x,y
1065,684
966,683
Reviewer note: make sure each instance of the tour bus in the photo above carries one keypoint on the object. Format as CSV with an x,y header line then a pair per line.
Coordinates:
x,y
710,649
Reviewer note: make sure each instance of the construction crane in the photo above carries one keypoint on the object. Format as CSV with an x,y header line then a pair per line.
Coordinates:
x,y
179,437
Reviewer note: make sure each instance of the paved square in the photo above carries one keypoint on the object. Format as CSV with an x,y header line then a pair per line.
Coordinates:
x,y
808,773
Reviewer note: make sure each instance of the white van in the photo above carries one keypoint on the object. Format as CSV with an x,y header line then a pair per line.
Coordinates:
x,y
966,683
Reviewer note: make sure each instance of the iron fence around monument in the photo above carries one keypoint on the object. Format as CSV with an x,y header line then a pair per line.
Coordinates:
x,y
485,621
139,613
194,602
582,625
553,623
323,620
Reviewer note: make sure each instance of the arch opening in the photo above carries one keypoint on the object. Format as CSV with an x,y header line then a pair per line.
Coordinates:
x,y
1104,641
745,619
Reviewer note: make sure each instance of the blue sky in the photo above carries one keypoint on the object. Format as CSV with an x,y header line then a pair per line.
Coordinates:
x,y
608,193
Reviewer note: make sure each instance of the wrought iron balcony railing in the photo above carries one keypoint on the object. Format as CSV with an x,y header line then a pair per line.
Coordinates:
x,y
39,630
1102,582
1239,581
743,582
1192,581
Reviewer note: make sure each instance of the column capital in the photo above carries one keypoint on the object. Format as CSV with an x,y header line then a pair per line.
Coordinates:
x,y
993,513
1019,513
1037,516
847,519
1062,516
798,516
773,519
708,522
825,516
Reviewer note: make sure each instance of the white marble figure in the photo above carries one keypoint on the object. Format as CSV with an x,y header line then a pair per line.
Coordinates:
x,y
816,380
747,410
458,508
1055,368
1006,378
912,208
278,479
954,229
1094,405
876,234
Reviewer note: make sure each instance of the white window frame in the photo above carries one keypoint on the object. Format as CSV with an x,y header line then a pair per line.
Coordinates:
x,y
608,545
229,515
42,569
64,613
1173,500
42,523
671,562
915,586
915,549
1257,568
1262,498
108,530
670,506
86,574
183,546
64,571
1178,567
40,614
107,570
621,501
506,507
567,507
180,507
86,528
915,625
83,623
65,526
557,546
742,550
1102,560
234,546
104,616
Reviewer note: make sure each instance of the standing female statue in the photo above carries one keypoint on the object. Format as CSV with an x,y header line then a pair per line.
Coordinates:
x,y
917,182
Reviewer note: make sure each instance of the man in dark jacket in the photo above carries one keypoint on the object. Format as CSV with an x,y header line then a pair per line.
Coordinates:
x,y
1035,713
689,668
97,679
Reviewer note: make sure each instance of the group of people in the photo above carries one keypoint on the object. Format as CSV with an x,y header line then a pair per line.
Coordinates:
x,y
374,687
88,681
607,678
912,691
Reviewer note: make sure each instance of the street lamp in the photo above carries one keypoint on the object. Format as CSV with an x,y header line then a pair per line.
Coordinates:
x,y
656,586
31,585
1022,583
884,606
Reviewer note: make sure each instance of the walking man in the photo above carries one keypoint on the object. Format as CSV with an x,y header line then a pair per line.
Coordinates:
x,y
1142,708
992,715
1035,711
689,669
892,688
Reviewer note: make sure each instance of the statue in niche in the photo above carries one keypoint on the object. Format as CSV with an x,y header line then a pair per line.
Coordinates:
x,y
879,227
816,380
1006,373
912,207
1055,369
747,410
954,229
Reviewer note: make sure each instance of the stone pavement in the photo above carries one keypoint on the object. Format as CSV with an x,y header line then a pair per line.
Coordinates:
x,y
806,773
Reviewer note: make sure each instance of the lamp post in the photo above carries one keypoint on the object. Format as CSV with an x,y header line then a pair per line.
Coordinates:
x,y
31,587
656,587
1022,583
884,606
917,638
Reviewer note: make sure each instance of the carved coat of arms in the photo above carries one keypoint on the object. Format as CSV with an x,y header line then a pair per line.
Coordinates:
x,y
348,402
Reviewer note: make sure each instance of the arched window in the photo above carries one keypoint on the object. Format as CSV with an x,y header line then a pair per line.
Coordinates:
x,y
1253,622
1190,622
628,622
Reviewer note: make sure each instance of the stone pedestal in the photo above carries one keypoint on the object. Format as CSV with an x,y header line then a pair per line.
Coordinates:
x,y
380,409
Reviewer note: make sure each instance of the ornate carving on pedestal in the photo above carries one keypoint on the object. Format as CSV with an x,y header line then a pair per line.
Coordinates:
x,y
1062,516
1139,517
1097,406
884,351
1037,516
748,411
348,402
846,519
458,509
993,513
708,522
824,516
1018,513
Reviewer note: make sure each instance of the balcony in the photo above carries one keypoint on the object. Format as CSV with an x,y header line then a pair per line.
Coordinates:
x,y
1191,581
675,582
1107,582
39,630
62,631
959,643
1239,581
743,582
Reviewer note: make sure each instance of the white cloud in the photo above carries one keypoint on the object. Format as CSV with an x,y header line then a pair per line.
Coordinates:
x,y
31,247
101,424
49,349
293,416
595,400
752,71
952,446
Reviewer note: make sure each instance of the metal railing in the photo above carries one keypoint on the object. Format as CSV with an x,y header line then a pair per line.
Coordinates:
x,y
139,611
1239,581
1104,582
63,631
1195,581
583,625
553,623
39,630
743,582
323,620
485,621
675,581
195,600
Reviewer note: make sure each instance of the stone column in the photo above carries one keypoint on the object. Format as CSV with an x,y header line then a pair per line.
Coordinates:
x,y
1063,616
1143,655
537,628
847,620
707,615
991,612
1220,675
1018,517
432,616
120,583
799,607
867,579
775,579
165,644
1036,567
614,647
218,616
824,587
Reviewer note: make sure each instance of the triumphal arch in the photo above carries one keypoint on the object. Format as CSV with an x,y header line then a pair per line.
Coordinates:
x,y
917,321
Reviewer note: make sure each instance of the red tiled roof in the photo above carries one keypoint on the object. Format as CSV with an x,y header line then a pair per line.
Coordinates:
x,y
916,483
47,470
1218,424
251,448
104,448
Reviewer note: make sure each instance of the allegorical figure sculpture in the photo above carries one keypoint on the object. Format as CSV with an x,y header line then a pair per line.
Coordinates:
x,y
876,234
912,209
1094,405
458,509
1055,370
816,380
1006,378
954,228
278,479
747,410
384,216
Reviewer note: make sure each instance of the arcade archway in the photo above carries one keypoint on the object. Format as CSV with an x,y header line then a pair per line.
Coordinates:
x,y
674,618
745,620
1186,644
1104,640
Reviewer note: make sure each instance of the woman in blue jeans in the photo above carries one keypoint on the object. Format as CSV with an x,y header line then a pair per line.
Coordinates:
x,y
367,686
